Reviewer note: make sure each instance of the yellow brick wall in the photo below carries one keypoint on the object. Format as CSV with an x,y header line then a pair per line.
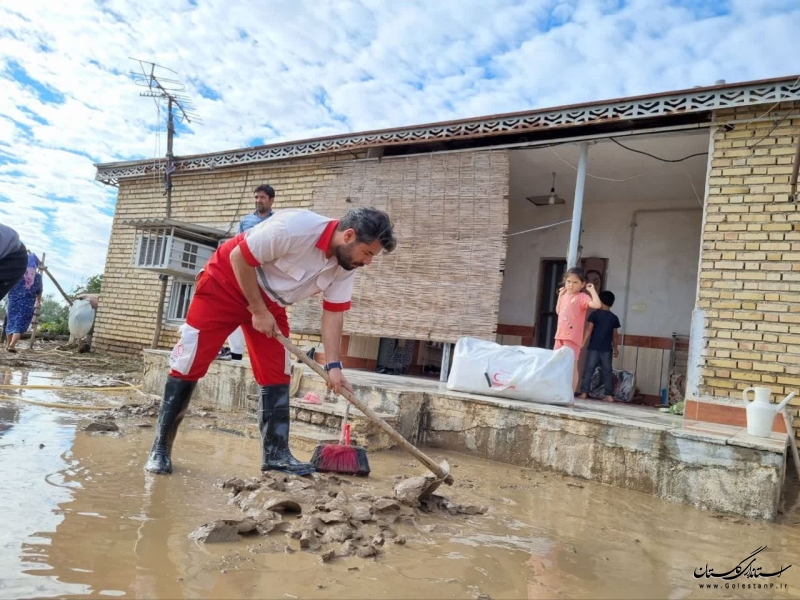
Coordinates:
x,y
750,265
127,312
432,200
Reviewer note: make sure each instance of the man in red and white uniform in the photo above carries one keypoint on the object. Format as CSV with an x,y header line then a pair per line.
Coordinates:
x,y
248,282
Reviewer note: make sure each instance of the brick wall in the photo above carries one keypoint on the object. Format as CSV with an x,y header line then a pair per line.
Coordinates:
x,y
127,312
750,265
450,213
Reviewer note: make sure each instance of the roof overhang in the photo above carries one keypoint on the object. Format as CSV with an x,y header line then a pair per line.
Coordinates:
x,y
636,110
190,228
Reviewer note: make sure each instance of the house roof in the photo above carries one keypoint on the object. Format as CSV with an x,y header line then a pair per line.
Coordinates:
x,y
630,109
193,228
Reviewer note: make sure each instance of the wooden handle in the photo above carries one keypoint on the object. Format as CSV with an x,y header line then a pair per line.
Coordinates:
x,y
403,442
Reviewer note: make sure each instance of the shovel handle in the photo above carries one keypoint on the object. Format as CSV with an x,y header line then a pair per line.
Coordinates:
x,y
370,414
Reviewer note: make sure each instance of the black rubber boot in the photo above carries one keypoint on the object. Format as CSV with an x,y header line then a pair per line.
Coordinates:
x,y
273,423
177,394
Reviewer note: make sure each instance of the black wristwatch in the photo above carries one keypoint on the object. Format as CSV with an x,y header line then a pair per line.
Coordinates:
x,y
334,365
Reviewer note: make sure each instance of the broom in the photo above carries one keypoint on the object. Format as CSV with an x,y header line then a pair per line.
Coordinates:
x,y
342,457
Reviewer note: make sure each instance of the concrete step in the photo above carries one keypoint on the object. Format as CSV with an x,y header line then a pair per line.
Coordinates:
x,y
326,419
329,416
302,437
382,400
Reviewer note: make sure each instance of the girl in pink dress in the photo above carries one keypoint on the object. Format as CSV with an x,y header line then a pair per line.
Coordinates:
x,y
571,308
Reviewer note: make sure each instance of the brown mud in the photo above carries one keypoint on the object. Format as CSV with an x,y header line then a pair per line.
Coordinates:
x,y
81,518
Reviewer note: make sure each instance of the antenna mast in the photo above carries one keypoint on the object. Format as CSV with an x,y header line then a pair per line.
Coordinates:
x,y
171,90
163,88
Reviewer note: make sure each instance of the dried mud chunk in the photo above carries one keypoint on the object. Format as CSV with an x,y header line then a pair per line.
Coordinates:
x,y
335,516
367,551
472,510
216,532
309,540
340,532
410,490
347,549
247,526
101,426
329,555
360,513
339,502
234,483
386,504
441,528
283,505
265,527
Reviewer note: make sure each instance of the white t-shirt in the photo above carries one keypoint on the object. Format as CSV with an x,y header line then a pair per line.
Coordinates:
x,y
289,251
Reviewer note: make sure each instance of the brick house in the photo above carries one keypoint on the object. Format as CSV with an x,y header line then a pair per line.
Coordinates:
x,y
682,203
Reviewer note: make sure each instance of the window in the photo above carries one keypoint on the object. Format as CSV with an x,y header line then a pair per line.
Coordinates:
x,y
179,299
152,248
189,258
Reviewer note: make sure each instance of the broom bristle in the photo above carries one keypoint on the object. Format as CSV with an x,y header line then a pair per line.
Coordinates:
x,y
337,458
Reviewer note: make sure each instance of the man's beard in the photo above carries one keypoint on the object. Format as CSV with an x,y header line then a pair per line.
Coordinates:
x,y
344,255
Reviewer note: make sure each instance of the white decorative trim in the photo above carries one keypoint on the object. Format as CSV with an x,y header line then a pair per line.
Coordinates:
x,y
643,107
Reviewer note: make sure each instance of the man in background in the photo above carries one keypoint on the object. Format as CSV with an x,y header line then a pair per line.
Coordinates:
x,y
264,196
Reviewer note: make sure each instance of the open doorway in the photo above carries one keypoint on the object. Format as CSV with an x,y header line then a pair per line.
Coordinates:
x,y
642,215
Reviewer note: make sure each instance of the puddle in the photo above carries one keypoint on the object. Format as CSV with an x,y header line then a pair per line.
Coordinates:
x,y
81,518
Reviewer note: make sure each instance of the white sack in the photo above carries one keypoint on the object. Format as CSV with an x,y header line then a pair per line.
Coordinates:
x,y
516,372
81,318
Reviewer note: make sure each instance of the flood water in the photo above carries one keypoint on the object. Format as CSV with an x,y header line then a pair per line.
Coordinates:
x,y
81,518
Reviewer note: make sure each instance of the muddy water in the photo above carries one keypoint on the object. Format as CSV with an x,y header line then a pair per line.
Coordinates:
x,y
81,518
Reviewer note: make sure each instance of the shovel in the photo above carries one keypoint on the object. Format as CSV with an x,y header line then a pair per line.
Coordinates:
x,y
442,471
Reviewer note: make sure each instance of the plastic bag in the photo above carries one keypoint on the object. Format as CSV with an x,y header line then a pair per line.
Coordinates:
x,y
623,385
516,372
81,318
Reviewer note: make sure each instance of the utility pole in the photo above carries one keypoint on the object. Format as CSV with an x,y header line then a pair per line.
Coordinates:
x,y
161,88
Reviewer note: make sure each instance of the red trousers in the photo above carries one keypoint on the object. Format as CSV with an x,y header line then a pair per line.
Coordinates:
x,y
217,309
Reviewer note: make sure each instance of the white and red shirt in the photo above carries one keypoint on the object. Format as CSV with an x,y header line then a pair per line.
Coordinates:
x,y
289,251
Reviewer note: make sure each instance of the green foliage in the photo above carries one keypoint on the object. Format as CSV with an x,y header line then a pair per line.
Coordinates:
x,y
53,316
59,328
90,285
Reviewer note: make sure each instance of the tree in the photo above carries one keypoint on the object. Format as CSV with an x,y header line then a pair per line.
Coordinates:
x,y
54,316
90,285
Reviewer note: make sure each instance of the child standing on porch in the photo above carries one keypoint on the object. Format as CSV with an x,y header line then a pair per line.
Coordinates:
x,y
601,334
571,308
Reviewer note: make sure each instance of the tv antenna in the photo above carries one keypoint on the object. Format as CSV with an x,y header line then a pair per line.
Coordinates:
x,y
161,88
171,90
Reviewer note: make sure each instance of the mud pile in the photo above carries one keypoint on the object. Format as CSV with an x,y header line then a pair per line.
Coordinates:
x,y
327,514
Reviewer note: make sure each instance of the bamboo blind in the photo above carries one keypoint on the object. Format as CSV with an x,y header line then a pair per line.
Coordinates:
x,y
443,281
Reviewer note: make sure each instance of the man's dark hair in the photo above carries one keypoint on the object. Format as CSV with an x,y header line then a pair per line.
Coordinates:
x,y
607,298
267,189
370,224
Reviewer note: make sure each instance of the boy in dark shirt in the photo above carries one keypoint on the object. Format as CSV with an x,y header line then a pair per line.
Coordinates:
x,y
602,337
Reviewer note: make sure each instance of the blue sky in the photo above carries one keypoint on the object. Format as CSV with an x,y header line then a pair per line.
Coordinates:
x,y
263,72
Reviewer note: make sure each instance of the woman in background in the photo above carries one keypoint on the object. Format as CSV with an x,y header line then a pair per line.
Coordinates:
x,y
23,299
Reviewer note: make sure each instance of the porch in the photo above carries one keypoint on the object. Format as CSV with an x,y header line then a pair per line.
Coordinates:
x,y
714,467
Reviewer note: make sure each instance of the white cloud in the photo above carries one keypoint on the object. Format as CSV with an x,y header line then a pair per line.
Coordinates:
x,y
294,69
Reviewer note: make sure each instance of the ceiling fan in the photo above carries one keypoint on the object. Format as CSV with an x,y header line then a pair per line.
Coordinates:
x,y
548,200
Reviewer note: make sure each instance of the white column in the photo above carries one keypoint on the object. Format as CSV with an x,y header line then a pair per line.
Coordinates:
x,y
577,206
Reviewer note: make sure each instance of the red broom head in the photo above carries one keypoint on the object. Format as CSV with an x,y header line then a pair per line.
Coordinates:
x,y
337,458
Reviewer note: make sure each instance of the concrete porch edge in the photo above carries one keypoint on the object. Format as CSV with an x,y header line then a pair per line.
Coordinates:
x,y
710,467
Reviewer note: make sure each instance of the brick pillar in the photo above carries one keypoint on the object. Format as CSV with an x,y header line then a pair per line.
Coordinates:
x,y
749,290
